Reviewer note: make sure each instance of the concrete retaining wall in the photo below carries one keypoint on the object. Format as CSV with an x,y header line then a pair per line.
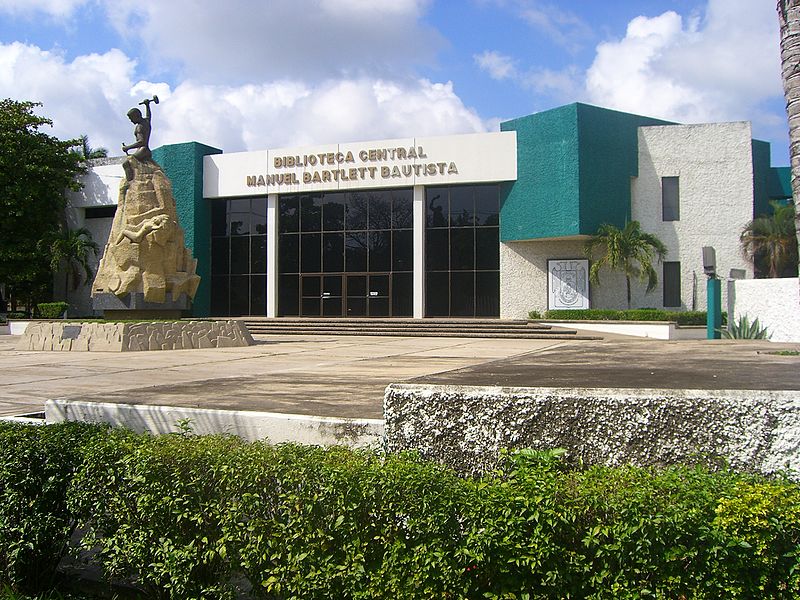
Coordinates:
x,y
466,427
250,425
657,330
774,302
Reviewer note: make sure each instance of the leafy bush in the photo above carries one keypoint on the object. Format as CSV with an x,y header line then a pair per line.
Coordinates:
x,y
743,329
37,464
17,315
185,516
52,310
639,314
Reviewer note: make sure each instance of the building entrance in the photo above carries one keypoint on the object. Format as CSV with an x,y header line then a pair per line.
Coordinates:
x,y
349,295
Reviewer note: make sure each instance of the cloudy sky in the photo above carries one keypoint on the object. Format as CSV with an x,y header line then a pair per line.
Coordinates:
x,y
255,74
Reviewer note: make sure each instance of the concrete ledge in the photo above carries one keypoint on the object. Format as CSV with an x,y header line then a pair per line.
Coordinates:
x,y
17,327
659,330
249,425
131,337
5,329
466,427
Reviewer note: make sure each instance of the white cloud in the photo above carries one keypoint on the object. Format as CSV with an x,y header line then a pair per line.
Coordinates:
x,y
718,68
562,26
92,93
497,65
54,8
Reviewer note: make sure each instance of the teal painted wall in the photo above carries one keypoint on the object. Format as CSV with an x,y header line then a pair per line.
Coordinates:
x,y
574,165
780,183
183,164
761,175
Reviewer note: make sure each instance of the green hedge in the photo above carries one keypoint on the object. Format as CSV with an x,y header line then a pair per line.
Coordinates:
x,y
51,310
639,314
208,517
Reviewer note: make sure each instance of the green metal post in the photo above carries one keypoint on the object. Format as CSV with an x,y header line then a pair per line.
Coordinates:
x,y
714,315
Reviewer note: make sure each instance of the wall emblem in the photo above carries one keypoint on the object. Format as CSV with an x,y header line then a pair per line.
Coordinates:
x,y
568,284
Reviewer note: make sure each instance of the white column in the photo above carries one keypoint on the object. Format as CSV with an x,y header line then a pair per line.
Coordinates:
x,y
419,251
272,255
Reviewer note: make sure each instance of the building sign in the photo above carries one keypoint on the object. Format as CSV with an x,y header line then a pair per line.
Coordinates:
x,y
568,284
454,159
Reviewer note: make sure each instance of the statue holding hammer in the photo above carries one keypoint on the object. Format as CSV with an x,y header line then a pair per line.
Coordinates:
x,y
141,132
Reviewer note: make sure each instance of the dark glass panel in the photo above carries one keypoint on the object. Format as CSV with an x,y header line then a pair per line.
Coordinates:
x,y
356,211
462,294
487,248
240,295
436,207
311,307
487,205
288,296
378,285
437,294
310,252
332,307
333,252
310,212
312,287
258,295
219,256
355,245
288,214
672,284
332,285
403,250
356,307
219,219
402,295
333,211
462,249
670,199
289,253
108,212
380,250
357,286
462,206
380,210
258,254
487,294
437,250
239,216
402,209
240,254
219,296
378,307
258,212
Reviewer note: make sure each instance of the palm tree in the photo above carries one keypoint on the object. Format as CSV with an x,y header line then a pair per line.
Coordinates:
x,y
85,151
70,248
771,240
629,250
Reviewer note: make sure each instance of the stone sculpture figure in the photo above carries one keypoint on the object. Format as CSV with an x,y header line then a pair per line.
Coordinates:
x,y
145,265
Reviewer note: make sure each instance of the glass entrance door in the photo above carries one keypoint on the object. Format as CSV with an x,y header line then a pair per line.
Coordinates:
x,y
321,296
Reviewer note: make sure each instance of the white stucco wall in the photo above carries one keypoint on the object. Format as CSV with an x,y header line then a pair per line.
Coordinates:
x,y
714,165
774,302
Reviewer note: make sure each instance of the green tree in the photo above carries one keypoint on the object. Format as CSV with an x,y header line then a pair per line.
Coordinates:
x,y
70,251
629,250
769,242
35,171
85,150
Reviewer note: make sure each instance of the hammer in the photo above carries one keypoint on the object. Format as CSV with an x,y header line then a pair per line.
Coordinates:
x,y
147,101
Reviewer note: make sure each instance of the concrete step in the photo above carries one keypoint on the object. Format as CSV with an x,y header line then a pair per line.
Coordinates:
x,y
570,335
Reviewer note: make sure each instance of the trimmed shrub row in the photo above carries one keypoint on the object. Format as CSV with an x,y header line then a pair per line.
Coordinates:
x,y
186,516
51,310
639,314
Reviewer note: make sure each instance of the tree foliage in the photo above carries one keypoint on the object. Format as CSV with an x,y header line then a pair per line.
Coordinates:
x,y
70,250
629,250
86,152
770,242
35,170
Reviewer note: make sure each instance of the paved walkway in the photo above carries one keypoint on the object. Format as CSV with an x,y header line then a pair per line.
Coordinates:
x,y
345,376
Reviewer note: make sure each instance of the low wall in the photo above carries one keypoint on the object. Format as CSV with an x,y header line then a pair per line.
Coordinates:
x,y
250,425
132,337
774,302
657,330
466,427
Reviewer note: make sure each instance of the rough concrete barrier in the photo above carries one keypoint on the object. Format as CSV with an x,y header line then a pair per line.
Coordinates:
x,y
466,427
249,425
132,337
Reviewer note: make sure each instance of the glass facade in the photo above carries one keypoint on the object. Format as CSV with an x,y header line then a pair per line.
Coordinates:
x,y
239,257
462,251
346,254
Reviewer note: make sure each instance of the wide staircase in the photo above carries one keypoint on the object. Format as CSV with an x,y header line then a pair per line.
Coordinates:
x,y
474,328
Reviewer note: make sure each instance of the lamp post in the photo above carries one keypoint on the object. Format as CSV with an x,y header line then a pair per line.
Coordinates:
x,y
713,294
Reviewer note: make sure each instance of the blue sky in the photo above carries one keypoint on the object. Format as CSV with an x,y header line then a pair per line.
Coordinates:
x,y
250,74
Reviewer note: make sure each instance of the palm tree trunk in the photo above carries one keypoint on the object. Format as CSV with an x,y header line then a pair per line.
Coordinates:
x,y
628,290
789,19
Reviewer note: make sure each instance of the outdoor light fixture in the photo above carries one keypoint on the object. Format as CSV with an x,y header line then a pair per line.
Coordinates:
x,y
709,261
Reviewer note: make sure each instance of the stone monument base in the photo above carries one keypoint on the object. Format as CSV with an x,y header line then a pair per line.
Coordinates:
x,y
133,306
132,337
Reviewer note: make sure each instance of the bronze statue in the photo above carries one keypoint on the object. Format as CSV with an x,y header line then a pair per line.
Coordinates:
x,y
142,134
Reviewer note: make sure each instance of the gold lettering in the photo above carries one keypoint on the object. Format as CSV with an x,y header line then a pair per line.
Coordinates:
x,y
278,162
339,157
396,172
353,173
306,177
372,171
326,176
385,172
420,152
331,157
362,171
407,170
349,157
442,167
382,154
412,153
417,169
452,170
260,180
401,153
312,159
317,178
363,155
251,180
430,169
